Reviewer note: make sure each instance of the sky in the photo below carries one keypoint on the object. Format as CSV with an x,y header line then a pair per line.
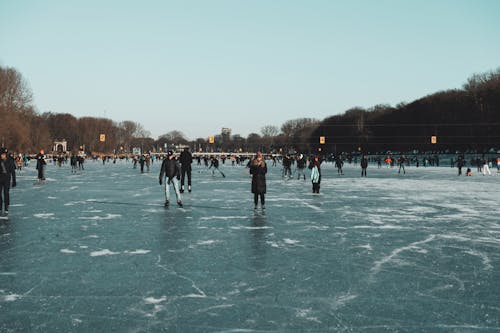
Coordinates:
x,y
197,66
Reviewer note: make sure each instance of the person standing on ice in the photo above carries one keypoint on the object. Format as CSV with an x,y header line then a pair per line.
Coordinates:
x,y
7,173
364,165
486,167
315,167
258,170
401,163
338,164
171,170
186,161
40,165
301,165
460,164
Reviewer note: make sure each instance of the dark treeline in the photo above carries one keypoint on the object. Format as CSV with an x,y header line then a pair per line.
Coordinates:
x,y
465,119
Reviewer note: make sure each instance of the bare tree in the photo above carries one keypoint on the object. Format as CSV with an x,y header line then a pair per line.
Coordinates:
x,y
269,131
15,94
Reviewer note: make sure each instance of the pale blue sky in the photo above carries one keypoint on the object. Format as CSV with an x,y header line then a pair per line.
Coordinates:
x,y
198,66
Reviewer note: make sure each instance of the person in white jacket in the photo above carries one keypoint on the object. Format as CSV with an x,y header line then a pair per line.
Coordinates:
x,y
315,167
486,167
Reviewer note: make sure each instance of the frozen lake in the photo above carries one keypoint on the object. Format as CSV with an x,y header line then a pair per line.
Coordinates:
x,y
98,252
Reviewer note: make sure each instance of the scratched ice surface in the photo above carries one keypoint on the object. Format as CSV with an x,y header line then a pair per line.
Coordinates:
x,y
97,252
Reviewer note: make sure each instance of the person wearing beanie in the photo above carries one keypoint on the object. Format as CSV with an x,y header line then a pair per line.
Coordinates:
x,y
171,170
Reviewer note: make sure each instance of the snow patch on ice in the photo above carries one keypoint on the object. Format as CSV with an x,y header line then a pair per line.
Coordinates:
x,y
383,227
152,300
208,242
290,241
52,198
138,252
367,247
67,251
273,244
11,297
222,218
306,314
105,252
250,228
342,300
94,218
44,215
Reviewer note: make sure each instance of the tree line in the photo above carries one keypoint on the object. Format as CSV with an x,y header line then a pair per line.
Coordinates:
x,y
466,119
22,129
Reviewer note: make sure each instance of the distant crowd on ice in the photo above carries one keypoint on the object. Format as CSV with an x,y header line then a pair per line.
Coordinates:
x,y
176,168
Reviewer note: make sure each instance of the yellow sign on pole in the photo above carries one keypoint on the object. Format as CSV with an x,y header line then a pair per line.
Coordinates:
x,y
211,139
102,137
434,139
322,140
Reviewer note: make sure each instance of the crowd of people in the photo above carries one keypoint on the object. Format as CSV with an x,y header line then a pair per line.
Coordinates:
x,y
176,169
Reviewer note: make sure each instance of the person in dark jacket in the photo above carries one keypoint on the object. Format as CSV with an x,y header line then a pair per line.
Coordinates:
x,y
7,174
301,165
258,170
364,165
287,166
186,161
40,165
171,170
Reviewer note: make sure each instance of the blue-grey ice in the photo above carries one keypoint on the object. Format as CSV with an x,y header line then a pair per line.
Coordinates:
x,y
98,252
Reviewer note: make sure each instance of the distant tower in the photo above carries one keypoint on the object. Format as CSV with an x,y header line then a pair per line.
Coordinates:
x,y
226,131
226,134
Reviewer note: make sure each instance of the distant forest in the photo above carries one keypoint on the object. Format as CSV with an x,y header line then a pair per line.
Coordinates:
x,y
465,120
462,120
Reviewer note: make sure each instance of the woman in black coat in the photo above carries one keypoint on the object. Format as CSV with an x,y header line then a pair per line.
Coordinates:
x,y
258,170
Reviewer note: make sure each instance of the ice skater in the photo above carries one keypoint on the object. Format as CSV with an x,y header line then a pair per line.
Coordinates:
x,y
301,165
7,174
40,165
287,166
73,162
186,161
338,164
315,167
171,170
460,164
486,167
258,170
364,165
215,165
401,163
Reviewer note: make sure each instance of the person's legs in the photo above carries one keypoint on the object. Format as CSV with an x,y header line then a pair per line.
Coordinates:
x,y
1,195
4,192
255,199
262,200
189,178
167,192
175,183
183,176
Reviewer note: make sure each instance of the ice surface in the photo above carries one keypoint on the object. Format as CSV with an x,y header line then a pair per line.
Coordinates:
x,y
97,252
